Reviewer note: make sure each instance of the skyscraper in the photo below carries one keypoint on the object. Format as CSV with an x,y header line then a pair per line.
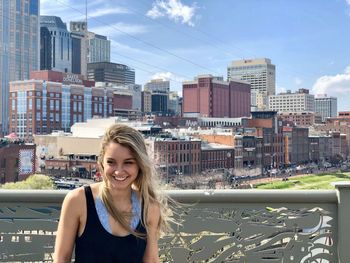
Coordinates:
x,y
159,94
61,43
79,32
326,106
111,73
260,74
45,49
88,47
99,48
19,47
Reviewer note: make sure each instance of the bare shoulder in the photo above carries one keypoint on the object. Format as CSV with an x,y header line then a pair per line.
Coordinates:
x,y
78,194
75,198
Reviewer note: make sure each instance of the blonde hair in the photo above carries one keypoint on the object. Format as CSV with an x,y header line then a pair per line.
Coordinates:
x,y
146,182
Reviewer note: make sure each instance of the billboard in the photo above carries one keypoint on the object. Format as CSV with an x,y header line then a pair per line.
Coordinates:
x,y
26,164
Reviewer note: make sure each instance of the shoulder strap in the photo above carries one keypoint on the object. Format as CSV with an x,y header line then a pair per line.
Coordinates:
x,y
90,204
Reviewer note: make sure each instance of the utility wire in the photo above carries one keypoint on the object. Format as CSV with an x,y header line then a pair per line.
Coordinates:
x,y
119,54
218,40
140,40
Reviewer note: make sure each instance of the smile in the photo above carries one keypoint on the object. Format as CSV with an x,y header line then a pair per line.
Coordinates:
x,y
119,178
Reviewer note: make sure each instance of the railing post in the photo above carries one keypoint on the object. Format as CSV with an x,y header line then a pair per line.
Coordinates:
x,y
343,193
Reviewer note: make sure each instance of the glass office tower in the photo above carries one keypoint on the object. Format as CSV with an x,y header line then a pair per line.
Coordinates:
x,y
19,48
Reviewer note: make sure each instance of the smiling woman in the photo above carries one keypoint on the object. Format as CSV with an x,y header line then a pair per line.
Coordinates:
x,y
122,216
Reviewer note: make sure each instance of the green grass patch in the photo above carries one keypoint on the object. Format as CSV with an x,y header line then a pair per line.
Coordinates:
x,y
317,181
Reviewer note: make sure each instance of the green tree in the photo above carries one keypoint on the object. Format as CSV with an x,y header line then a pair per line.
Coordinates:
x,y
36,181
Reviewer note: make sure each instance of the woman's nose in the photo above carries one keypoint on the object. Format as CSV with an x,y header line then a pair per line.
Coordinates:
x,y
118,169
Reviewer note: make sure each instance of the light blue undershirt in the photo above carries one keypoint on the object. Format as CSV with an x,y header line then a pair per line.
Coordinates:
x,y
103,213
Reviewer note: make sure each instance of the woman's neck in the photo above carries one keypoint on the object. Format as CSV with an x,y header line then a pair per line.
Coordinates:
x,y
120,198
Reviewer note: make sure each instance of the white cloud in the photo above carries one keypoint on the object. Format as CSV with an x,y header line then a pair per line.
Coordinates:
x,y
298,81
49,7
69,11
280,89
118,29
348,2
108,11
347,69
174,10
167,76
338,85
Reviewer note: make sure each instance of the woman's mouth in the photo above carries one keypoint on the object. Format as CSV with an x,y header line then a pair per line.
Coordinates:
x,y
119,178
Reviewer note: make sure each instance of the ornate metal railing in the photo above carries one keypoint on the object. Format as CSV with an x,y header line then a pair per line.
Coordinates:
x,y
216,226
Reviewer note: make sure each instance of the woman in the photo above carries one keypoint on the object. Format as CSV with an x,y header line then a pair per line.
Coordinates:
x,y
119,219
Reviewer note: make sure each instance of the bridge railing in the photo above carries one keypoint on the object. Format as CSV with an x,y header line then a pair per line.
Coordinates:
x,y
216,226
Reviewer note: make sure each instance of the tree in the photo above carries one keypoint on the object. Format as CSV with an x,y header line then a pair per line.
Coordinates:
x,y
36,181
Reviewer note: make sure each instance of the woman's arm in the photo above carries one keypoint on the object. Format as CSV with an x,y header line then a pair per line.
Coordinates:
x,y
151,253
68,225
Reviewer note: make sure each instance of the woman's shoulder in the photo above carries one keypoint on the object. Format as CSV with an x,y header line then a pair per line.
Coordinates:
x,y
76,197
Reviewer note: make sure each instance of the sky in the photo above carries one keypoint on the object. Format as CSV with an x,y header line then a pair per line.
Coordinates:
x,y
177,40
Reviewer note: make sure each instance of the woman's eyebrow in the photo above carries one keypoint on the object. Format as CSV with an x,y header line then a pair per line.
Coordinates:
x,y
130,159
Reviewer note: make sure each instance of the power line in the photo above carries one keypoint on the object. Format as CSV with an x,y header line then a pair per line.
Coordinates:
x,y
218,40
182,32
125,56
142,41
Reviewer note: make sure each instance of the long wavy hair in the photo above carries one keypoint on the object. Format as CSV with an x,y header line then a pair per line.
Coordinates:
x,y
146,183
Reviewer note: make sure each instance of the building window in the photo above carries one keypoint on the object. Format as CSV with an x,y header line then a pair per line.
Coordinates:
x,y
38,104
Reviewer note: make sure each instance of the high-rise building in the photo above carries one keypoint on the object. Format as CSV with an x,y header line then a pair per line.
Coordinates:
x,y
88,47
146,105
292,102
174,103
19,48
79,33
260,74
158,85
111,73
45,49
76,52
99,48
61,42
326,106
209,96
159,90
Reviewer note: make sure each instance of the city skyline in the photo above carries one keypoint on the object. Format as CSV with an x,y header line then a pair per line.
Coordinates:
x,y
182,39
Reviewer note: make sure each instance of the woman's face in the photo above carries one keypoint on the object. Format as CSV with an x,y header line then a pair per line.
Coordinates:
x,y
120,166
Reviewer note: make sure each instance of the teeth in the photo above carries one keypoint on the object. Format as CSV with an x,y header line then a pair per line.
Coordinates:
x,y
119,178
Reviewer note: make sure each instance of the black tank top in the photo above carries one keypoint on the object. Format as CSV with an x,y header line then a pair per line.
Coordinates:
x,y
96,245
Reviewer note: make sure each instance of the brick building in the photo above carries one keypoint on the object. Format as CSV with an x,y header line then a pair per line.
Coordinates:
x,y
209,96
17,160
55,101
305,119
217,156
269,128
176,156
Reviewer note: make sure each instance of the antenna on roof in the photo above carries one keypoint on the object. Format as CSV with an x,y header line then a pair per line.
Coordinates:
x,y
86,17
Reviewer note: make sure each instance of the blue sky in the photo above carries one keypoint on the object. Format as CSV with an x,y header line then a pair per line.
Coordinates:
x,y
308,41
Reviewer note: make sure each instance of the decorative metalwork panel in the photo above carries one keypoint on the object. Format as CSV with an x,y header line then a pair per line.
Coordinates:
x,y
27,231
237,233
209,232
